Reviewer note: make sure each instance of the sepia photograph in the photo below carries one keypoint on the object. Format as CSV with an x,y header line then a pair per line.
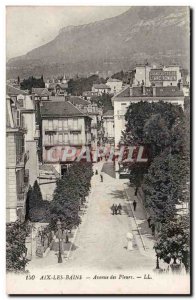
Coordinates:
x,y
98,148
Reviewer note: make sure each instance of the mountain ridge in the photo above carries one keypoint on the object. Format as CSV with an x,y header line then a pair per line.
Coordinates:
x,y
112,44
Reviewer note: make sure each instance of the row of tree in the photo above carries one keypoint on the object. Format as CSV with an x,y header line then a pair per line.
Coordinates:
x,y
163,129
70,194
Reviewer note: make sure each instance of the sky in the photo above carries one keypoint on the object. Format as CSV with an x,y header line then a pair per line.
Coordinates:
x,y
28,27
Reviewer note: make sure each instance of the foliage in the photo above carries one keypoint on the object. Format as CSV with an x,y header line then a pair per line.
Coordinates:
x,y
15,246
79,85
163,185
173,241
103,101
37,210
70,191
32,82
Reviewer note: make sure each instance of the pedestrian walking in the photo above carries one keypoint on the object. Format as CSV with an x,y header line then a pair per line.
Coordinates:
x,y
101,176
96,172
149,221
113,208
134,205
153,228
119,208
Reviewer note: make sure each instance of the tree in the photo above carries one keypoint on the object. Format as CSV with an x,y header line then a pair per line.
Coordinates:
x,y
163,185
16,234
70,191
173,241
104,101
32,82
37,210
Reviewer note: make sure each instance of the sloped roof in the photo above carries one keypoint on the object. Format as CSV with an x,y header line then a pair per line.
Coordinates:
x,y
101,86
113,80
41,91
78,101
59,109
63,86
109,112
13,91
137,91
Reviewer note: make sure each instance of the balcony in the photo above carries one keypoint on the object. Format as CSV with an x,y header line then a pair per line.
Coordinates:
x,y
75,129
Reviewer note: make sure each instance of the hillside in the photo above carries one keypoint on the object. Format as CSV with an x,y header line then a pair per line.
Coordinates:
x,y
152,33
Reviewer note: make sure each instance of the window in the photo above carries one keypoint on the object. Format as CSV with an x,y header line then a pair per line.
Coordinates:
x,y
75,138
60,138
50,125
18,118
65,137
122,104
60,124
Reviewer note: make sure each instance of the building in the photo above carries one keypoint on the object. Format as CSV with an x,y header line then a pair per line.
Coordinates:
x,y
41,94
122,100
115,85
108,126
89,95
100,89
157,75
17,177
63,124
90,109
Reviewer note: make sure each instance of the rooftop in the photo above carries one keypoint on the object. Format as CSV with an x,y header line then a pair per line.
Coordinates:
x,y
101,86
137,91
12,91
60,109
113,80
41,91
109,112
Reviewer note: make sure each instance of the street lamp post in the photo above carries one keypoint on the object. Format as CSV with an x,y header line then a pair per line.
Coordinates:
x,y
157,262
59,237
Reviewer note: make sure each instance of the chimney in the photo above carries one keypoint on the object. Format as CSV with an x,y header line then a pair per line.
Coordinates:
x,y
154,91
131,91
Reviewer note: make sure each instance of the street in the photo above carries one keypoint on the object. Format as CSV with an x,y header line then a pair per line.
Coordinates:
x,y
100,241
101,238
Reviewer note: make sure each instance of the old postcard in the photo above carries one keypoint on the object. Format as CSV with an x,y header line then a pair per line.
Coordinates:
x,y
98,150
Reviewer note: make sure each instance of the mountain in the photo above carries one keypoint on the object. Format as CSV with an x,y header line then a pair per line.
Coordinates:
x,y
157,34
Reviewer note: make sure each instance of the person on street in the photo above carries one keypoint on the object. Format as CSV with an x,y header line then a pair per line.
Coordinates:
x,y
113,208
149,221
101,176
116,209
119,208
96,172
153,228
134,205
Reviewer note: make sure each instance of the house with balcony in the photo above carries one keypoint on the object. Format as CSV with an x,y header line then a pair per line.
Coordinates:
x,y
63,126
17,176
41,94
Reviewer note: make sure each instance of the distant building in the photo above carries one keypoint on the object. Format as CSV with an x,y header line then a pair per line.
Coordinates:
x,y
89,95
115,85
157,75
122,100
40,94
100,89
108,126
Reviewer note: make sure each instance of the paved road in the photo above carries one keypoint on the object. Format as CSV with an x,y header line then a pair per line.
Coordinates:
x,y
101,238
